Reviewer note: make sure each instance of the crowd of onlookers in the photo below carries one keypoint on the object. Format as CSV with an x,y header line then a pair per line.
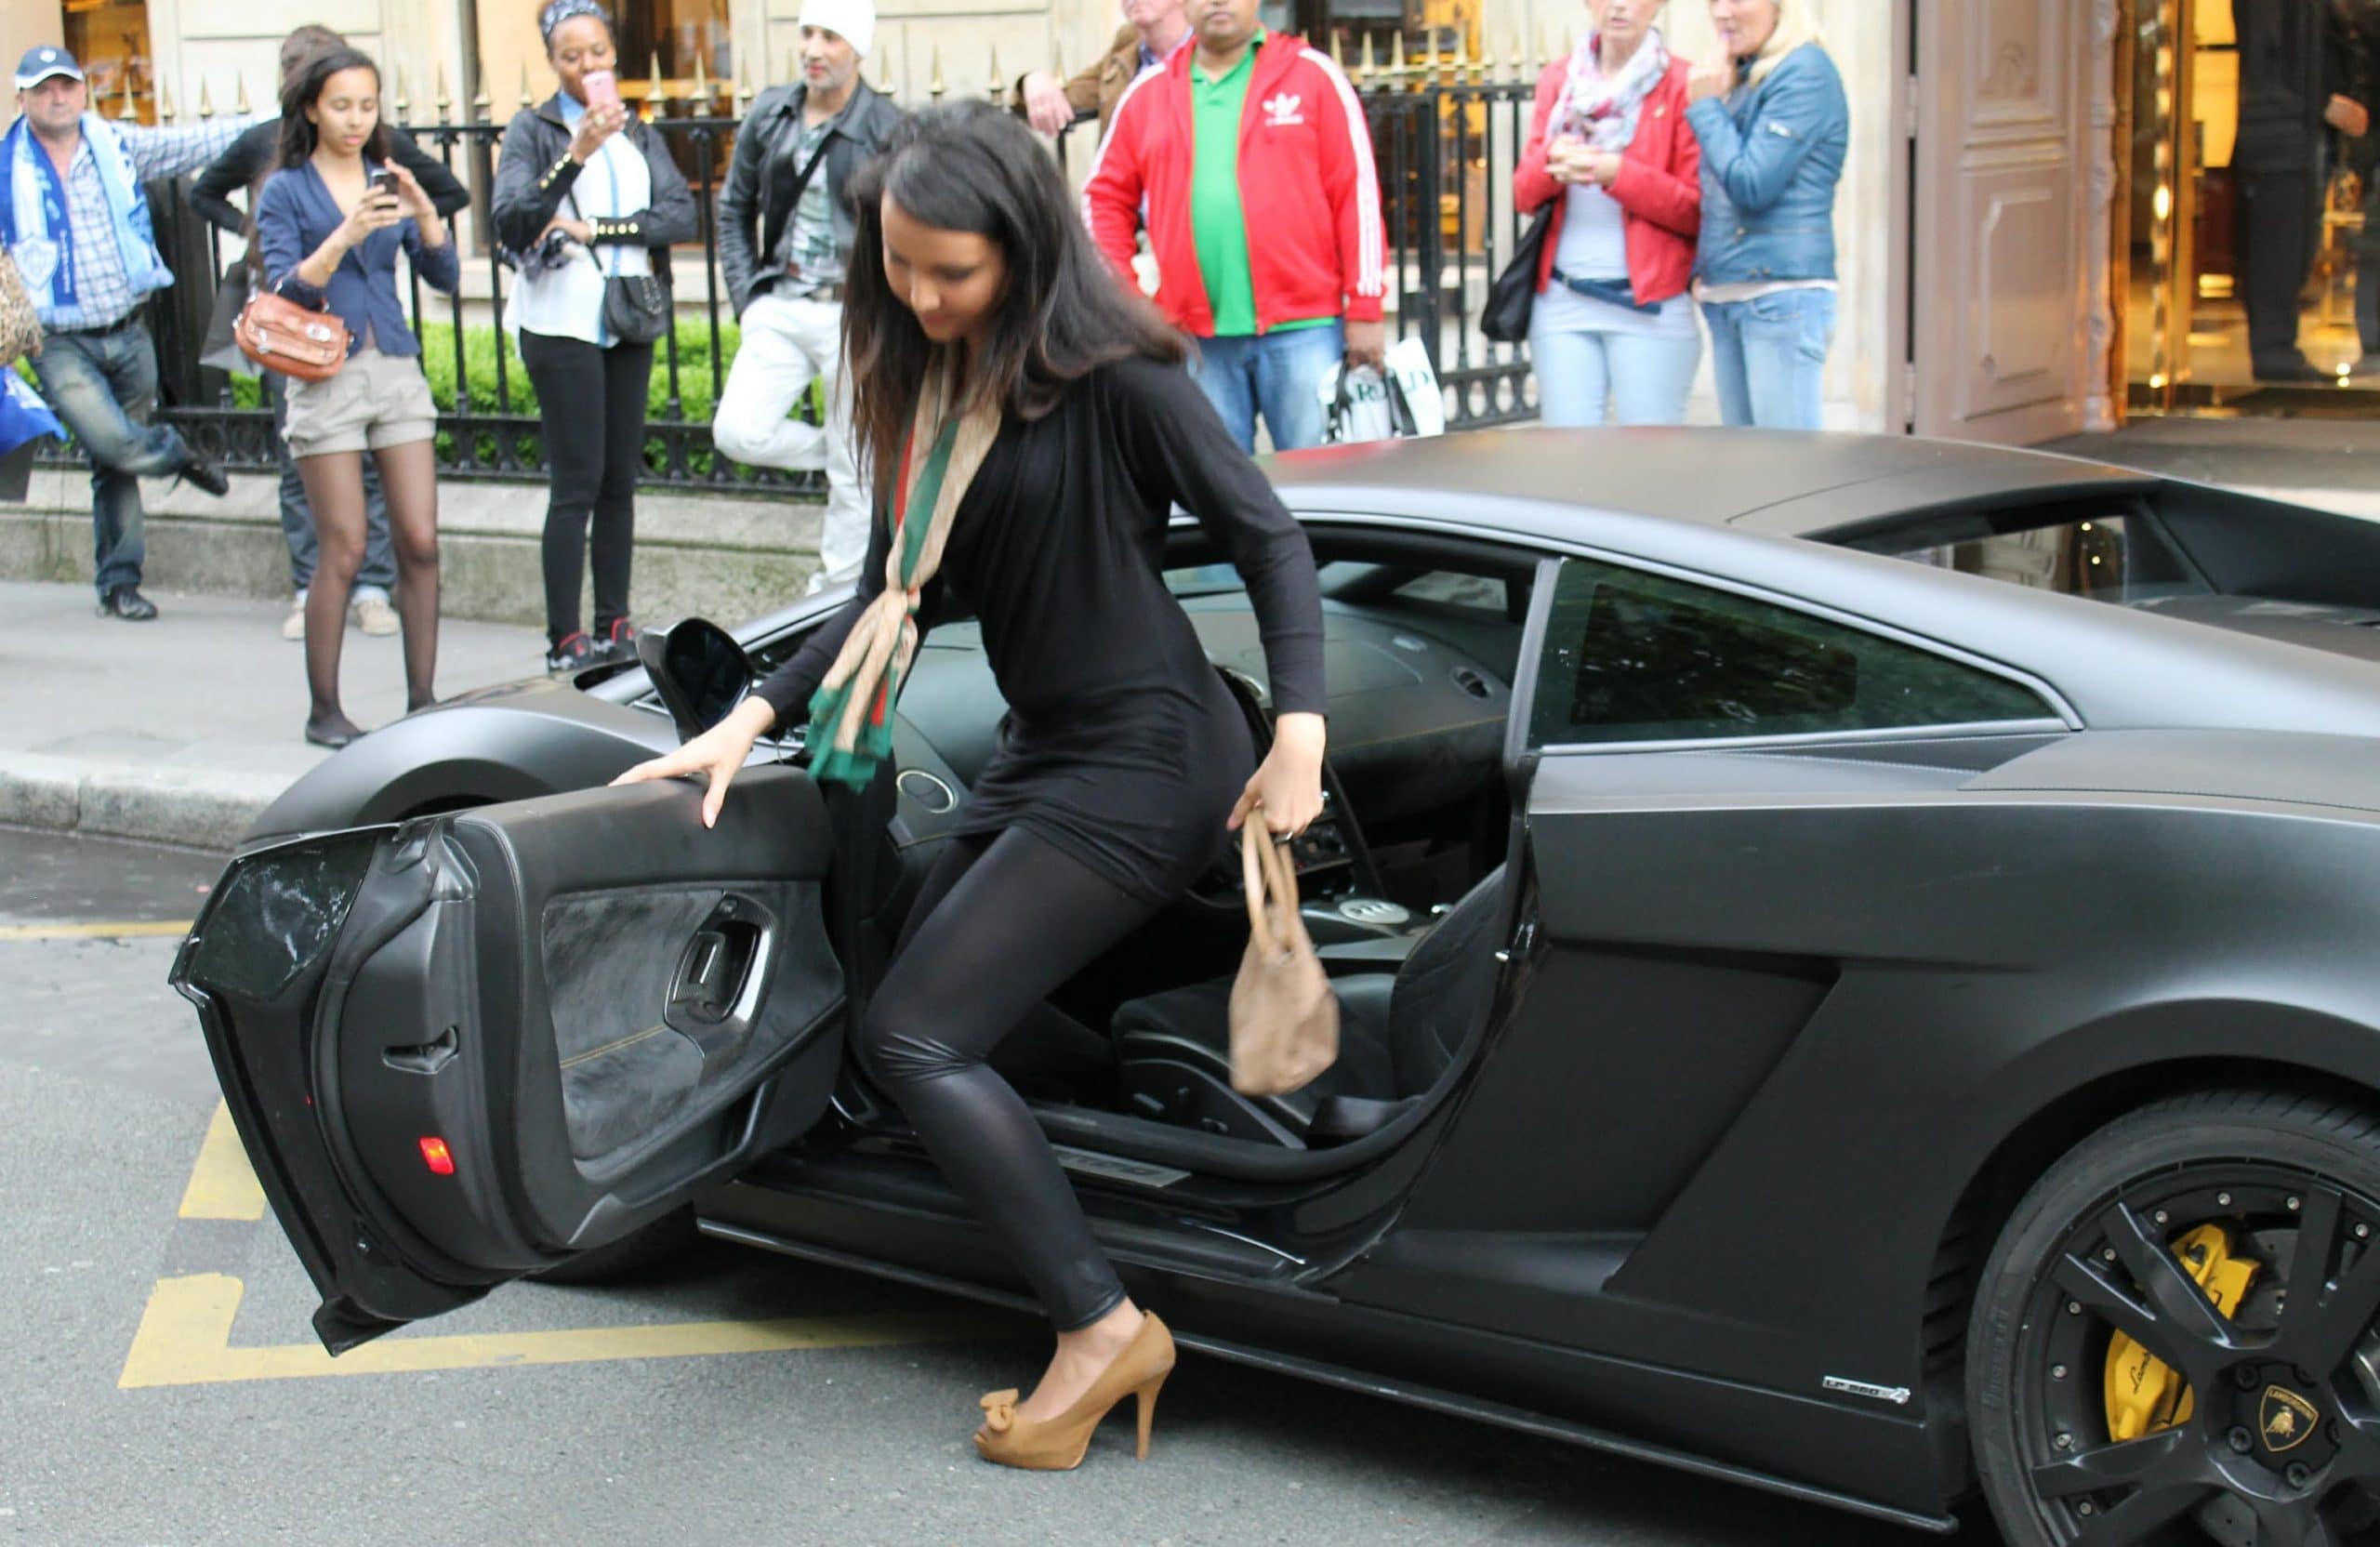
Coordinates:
x,y
1669,197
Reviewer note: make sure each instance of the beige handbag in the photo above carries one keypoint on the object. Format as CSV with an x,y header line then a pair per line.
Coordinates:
x,y
1284,1017
19,325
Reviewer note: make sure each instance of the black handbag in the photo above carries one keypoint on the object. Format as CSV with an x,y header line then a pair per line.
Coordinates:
x,y
1504,317
636,307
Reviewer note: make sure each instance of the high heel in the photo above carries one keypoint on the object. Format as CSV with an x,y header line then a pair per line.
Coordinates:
x,y
1059,1444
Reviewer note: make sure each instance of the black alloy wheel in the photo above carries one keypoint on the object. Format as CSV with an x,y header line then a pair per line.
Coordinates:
x,y
2172,1340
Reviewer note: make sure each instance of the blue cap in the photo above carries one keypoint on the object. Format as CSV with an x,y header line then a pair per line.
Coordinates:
x,y
40,64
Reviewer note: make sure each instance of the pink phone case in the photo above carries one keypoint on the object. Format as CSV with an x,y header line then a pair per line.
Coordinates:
x,y
602,88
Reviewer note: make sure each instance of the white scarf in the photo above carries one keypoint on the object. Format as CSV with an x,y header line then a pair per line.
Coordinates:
x,y
1602,110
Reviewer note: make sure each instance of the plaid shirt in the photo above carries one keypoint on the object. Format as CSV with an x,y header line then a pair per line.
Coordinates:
x,y
807,250
104,290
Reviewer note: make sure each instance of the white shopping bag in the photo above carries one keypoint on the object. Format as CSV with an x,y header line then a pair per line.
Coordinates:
x,y
1363,406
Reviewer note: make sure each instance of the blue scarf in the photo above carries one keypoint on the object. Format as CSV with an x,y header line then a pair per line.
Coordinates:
x,y
35,221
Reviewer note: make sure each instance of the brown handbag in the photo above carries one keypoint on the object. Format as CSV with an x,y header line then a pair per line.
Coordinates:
x,y
1284,1017
281,335
19,323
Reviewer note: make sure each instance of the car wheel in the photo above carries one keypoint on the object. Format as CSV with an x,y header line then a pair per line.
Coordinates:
x,y
669,1237
2172,1342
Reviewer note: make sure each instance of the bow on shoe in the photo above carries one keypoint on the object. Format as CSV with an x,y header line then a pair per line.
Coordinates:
x,y
1000,1410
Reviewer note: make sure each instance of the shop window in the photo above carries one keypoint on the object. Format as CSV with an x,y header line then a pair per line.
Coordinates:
x,y
110,41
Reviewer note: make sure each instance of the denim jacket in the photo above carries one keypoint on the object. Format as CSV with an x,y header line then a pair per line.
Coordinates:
x,y
1771,156
295,214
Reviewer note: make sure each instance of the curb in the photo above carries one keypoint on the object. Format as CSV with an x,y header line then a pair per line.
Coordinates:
x,y
194,808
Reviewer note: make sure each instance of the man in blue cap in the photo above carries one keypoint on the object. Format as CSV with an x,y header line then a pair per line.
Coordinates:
x,y
74,217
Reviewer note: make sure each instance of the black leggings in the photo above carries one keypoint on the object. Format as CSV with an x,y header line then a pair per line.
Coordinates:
x,y
1000,923
590,404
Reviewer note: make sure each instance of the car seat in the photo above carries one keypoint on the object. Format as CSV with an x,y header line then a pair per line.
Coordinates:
x,y
1397,1032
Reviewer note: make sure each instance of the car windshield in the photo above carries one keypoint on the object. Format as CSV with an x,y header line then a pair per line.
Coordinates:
x,y
2118,555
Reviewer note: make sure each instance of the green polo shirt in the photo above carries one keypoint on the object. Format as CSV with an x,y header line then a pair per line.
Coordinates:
x,y
1218,221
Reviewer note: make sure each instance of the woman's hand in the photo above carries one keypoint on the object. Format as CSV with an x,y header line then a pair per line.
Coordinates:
x,y
411,200
600,123
1710,80
1287,785
1562,154
580,231
718,754
375,211
1599,167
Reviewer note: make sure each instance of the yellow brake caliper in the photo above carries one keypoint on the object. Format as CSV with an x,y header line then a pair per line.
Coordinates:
x,y
2144,1394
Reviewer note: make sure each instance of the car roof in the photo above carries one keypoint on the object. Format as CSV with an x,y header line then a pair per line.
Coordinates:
x,y
1788,483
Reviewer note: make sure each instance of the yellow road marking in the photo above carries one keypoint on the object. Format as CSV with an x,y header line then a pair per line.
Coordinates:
x,y
185,1338
221,1186
136,930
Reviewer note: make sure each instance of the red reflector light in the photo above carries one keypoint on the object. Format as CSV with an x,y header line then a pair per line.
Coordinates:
x,y
435,1155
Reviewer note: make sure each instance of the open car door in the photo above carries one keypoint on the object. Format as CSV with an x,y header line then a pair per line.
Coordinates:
x,y
465,1048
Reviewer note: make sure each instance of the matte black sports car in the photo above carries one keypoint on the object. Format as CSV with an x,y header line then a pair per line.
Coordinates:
x,y
1859,1026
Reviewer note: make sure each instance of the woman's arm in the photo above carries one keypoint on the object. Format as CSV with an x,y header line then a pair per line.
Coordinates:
x,y
1670,196
788,688
668,219
1804,100
226,174
1179,452
528,191
438,264
1532,184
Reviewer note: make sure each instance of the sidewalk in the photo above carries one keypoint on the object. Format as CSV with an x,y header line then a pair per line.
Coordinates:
x,y
181,730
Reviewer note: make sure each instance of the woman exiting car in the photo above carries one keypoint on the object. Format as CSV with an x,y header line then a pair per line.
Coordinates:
x,y
1030,425
1774,127
1612,328
331,223
589,201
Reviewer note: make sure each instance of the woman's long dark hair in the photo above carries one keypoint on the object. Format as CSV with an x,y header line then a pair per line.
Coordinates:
x,y
1063,313
304,87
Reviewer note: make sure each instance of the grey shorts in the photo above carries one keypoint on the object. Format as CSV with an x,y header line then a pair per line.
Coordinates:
x,y
376,400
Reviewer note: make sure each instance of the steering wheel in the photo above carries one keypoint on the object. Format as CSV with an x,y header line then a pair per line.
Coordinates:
x,y
1221,888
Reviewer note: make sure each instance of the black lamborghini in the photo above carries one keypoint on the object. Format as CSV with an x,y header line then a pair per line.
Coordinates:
x,y
1856,960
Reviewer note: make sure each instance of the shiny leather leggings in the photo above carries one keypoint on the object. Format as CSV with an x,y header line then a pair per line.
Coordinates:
x,y
1001,922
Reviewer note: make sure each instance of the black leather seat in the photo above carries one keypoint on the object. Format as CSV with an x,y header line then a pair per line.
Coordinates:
x,y
1397,1032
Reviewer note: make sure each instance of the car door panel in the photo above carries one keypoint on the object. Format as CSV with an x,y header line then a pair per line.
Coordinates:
x,y
462,1048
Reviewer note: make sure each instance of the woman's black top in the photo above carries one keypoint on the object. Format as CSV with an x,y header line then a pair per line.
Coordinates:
x,y
1123,746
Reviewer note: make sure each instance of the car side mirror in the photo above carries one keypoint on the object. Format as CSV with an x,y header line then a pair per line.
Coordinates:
x,y
699,670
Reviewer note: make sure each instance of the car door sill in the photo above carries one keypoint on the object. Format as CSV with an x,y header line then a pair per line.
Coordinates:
x,y
1432,1398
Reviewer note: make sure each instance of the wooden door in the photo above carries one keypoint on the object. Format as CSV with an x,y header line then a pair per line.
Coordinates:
x,y
2000,321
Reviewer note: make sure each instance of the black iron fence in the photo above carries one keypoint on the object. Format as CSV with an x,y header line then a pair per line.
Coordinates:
x,y
1444,149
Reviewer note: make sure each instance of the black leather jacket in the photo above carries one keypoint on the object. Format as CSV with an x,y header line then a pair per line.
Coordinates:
x,y
532,181
2294,55
758,200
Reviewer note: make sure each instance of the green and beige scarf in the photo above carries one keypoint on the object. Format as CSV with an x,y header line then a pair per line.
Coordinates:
x,y
851,716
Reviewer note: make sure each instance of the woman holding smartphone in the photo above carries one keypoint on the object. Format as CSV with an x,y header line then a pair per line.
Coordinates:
x,y
585,194
330,223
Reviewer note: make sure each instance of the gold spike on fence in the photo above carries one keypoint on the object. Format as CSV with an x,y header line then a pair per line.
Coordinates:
x,y
934,87
205,103
702,89
997,95
240,96
404,104
1365,68
654,94
130,111
1520,56
884,74
445,100
481,104
527,101
1396,71
743,98
165,102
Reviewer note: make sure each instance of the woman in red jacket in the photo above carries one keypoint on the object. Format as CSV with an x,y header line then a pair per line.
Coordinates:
x,y
1612,323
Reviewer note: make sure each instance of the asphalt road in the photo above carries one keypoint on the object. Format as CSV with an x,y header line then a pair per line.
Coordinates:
x,y
135,1416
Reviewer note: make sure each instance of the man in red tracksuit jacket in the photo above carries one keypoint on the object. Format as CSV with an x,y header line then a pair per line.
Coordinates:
x,y
1248,132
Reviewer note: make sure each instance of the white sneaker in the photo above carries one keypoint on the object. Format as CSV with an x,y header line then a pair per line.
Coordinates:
x,y
294,626
374,615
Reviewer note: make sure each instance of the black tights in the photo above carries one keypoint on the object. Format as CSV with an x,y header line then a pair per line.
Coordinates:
x,y
334,483
590,404
1000,923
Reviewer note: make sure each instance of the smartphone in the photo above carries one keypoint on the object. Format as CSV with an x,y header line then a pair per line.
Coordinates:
x,y
385,181
602,88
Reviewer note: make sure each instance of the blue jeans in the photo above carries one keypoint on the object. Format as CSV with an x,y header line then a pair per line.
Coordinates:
x,y
1770,358
1644,380
103,386
379,571
1278,373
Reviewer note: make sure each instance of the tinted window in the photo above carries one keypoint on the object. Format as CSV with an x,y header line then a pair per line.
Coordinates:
x,y
1639,657
2107,558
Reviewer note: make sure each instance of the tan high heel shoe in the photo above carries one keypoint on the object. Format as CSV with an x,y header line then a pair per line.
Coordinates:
x,y
1058,1444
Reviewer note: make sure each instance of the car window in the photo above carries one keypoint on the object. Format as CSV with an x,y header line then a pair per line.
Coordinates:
x,y
1630,656
2110,556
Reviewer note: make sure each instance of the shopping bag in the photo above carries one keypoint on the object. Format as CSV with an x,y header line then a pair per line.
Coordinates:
x,y
1401,403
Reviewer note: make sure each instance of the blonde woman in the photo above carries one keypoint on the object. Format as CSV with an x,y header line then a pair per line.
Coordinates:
x,y
1774,127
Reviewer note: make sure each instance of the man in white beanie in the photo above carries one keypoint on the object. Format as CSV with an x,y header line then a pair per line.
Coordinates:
x,y
784,244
